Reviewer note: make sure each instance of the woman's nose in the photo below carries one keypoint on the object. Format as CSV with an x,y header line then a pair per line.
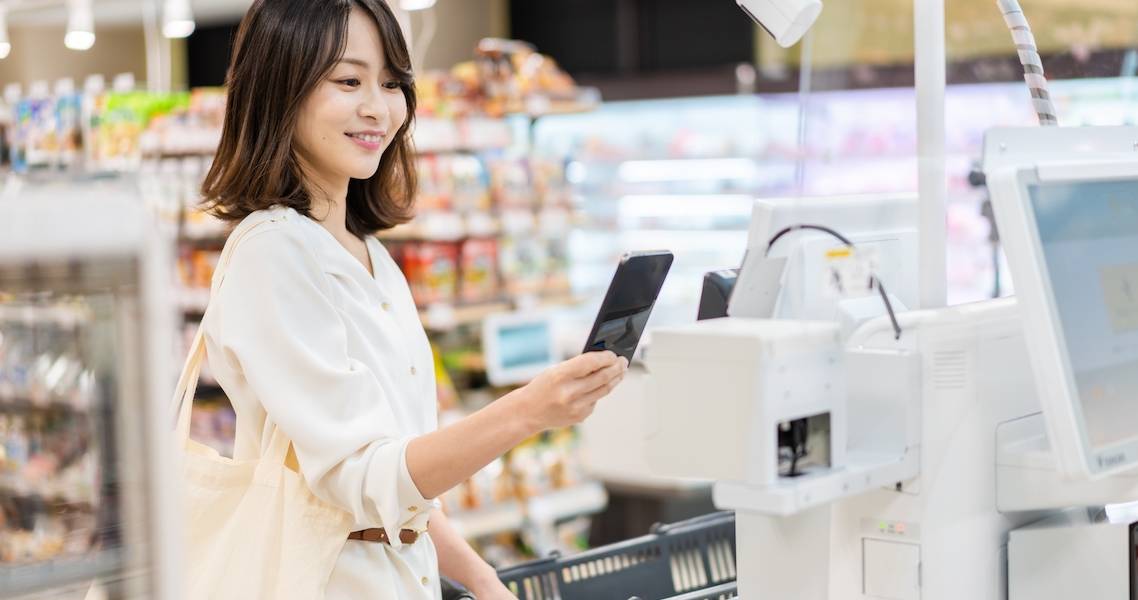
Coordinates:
x,y
373,106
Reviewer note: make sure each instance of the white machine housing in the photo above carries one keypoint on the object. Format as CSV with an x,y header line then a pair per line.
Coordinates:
x,y
883,224
724,386
1077,553
743,378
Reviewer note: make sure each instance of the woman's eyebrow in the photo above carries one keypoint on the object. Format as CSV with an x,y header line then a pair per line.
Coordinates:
x,y
356,61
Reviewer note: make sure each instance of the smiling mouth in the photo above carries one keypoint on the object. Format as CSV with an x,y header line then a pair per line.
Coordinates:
x,y
366,137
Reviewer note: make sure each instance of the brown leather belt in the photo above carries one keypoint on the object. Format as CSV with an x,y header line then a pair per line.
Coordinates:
x,y
378,534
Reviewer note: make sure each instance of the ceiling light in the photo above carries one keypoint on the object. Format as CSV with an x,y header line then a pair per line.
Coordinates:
x,y
80,25
416,4
5,43
177,19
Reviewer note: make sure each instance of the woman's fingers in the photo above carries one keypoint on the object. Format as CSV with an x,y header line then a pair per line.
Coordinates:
x,y
594,396
601,377
589,362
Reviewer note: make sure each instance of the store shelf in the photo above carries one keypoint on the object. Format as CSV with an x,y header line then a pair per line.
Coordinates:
x,y
582,499
441,317
579,500
20,579
74,502
444,227
26,406
180,154
204,239
438,135
193,301
444,316
492,520
209,390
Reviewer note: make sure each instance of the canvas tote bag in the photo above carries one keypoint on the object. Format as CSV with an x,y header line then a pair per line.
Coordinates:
x,y
254,530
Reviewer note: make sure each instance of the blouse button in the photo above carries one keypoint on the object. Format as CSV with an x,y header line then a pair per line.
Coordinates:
x,y
414,371
386,306
412,508
425,581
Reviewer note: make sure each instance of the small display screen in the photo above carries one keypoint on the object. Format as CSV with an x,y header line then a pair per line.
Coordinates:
x,y
524,345
1089,233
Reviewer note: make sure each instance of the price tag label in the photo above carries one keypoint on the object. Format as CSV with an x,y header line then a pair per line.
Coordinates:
x,y
849,271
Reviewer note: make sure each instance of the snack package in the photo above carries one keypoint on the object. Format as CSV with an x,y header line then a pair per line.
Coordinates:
x,y
470,184
522,260
431,269
479,270
36,141
510,183
68,130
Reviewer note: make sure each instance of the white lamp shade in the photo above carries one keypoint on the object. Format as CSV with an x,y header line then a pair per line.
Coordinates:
x,y
80,25
177,19
416,4
5,49
178,29
79,40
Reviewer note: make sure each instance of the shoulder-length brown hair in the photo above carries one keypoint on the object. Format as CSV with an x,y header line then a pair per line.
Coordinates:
x,y
284,49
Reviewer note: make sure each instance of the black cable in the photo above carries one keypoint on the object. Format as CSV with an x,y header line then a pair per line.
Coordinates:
x,y
873,280
794,228
799,432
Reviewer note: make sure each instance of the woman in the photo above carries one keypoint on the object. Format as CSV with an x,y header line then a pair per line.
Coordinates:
x,y
314,330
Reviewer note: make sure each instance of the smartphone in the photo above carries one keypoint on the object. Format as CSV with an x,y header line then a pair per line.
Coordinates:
x,y
628,302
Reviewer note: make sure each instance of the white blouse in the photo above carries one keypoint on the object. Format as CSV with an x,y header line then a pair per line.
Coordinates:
x,y
301,335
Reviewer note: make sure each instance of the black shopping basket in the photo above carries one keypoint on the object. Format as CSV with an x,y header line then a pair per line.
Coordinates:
x,y
674,559
727,591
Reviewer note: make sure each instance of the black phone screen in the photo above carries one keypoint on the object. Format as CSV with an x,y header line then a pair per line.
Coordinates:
x,y
628,303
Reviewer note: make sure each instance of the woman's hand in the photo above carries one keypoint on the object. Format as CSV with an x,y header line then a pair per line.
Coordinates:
x,y
561,396
565,394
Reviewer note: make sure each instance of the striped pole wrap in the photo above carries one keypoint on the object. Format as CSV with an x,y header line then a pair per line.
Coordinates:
x,y
1032,63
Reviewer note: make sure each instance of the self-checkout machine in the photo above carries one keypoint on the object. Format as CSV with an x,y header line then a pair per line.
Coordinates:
x,y
87,465
968,456
978,451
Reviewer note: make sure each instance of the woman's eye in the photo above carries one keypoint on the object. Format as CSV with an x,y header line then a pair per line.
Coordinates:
x,y
392,85
350,82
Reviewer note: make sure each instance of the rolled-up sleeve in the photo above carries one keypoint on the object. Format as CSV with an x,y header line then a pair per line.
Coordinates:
x,y
280,326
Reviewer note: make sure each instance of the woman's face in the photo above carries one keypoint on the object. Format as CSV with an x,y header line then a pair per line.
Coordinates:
x,y
349,119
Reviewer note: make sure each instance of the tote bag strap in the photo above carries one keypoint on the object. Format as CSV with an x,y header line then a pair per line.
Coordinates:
x,y
188,382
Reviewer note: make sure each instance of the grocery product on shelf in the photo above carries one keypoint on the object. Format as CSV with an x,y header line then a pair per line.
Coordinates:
x,y
35,139
49,465
525,263
195,272
478,261
505,76
431,269
109,130
214,424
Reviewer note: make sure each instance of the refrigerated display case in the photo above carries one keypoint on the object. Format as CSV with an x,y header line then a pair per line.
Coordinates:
x,y
681,174
86,474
